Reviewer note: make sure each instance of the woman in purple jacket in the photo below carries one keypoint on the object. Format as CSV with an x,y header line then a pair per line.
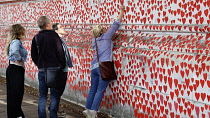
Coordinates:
x,y
105,47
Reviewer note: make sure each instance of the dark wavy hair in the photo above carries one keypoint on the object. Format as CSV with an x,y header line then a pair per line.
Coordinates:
x,y
55,26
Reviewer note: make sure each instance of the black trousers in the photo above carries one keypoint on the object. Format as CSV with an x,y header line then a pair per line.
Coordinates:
x,y
15,90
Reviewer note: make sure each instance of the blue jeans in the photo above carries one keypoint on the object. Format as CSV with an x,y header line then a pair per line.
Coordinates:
x,y
97,88
54,98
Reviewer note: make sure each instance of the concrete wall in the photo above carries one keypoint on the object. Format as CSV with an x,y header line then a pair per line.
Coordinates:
x,y
162,54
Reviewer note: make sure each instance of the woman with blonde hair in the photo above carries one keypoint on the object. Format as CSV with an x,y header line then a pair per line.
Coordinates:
x,y
104,45
15,72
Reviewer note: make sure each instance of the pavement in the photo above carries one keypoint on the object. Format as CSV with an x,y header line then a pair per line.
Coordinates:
x,y
30,106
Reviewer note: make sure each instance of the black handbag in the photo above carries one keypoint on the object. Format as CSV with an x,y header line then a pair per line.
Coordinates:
x,y
106,68
52,74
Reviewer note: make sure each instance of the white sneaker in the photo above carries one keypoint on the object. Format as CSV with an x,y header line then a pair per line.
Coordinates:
x,y
93,114
61,114
86,113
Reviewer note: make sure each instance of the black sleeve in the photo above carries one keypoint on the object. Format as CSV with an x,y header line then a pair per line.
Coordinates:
x,y
34,51
60,52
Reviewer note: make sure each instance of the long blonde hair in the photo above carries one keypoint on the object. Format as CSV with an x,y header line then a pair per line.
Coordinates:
x,y
16,32
97,30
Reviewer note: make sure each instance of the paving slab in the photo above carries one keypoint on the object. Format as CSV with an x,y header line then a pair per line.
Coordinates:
x,y
30,106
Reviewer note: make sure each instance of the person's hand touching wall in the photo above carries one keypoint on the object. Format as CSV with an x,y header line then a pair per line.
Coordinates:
x,y
122,10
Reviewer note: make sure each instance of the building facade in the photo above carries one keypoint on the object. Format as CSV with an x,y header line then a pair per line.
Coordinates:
x,y
162,53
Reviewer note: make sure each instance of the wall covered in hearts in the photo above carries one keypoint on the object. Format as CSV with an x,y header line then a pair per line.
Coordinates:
x,y
161,55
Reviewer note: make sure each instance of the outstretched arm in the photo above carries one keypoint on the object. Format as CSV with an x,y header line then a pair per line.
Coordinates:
x,y
122,10
115,26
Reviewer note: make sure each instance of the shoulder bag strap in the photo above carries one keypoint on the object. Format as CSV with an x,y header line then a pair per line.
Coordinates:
x,y
38,51
97,50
